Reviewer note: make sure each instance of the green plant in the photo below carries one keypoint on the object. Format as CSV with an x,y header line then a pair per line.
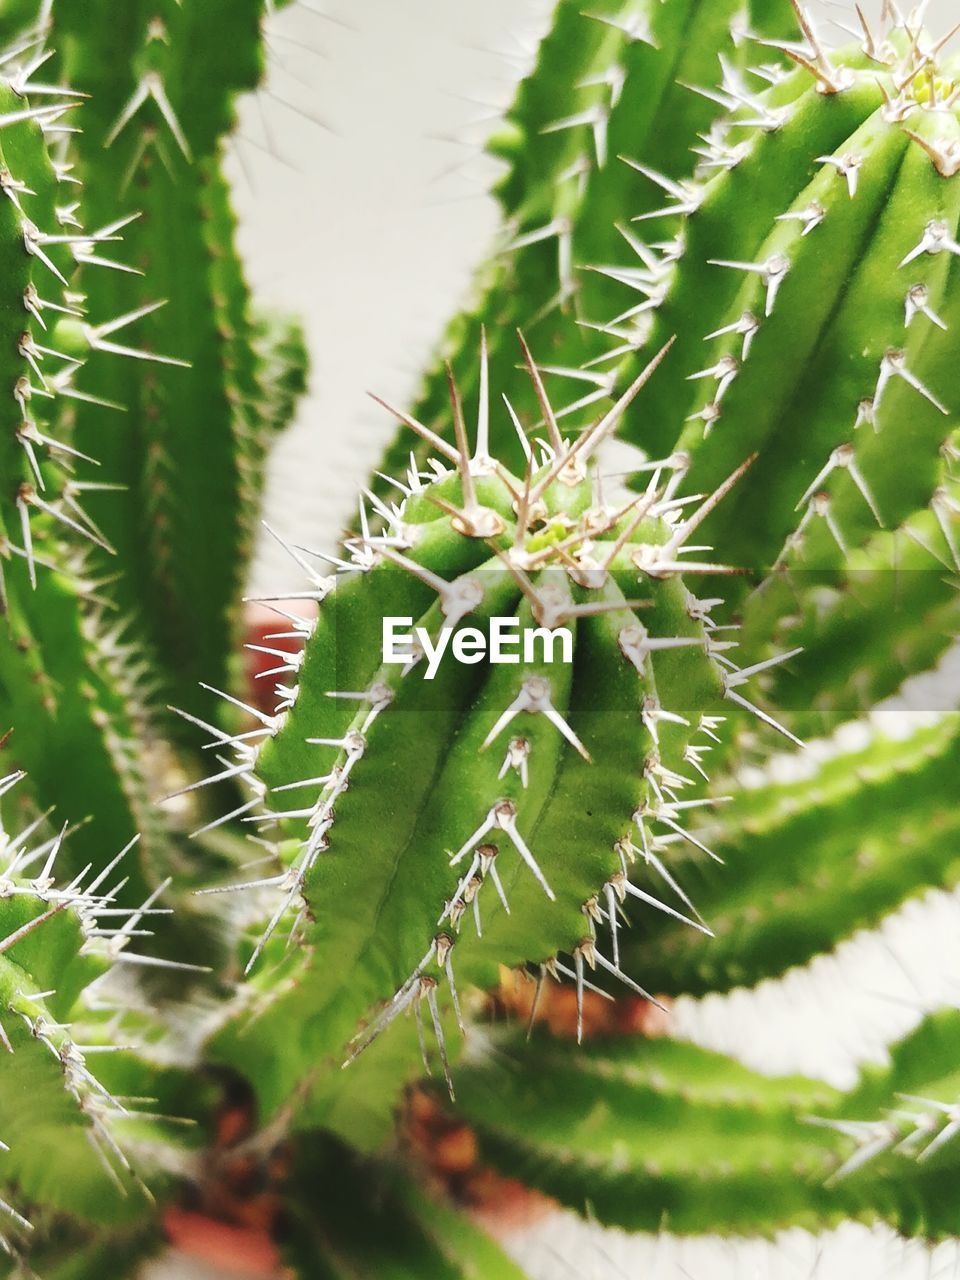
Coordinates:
x,y
438,835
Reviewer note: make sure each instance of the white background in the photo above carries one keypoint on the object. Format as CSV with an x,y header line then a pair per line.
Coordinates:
x,y
369,226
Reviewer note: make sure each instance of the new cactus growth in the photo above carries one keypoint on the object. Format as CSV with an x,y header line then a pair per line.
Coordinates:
x,y
512,764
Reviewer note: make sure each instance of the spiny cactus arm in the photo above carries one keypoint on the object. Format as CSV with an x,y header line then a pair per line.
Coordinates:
x,y
855,634
840,252
611,85
71,682
36,244
66,1135
808,863
79,695
374,923
352,1217
516,785
549,171
658,1135
661,1135
890,614
163,81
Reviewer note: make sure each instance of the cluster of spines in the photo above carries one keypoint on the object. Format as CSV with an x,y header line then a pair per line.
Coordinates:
x,y
907,1113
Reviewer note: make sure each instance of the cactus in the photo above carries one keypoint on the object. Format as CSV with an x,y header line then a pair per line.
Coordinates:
x,y
181,359
611,81
531,790
826,298
439,835
78,1155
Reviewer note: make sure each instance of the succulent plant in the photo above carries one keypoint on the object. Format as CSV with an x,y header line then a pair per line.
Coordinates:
x,y
537,780
525,715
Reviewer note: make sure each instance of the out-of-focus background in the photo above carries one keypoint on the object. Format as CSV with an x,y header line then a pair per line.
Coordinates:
x,y
363,197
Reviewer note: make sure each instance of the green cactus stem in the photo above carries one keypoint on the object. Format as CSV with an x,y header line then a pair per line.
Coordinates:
x,y
813,304
71,684
889,614
60,948
437,822
662,1135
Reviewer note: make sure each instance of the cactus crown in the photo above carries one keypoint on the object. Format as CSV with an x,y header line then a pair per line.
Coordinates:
x,y
515,763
